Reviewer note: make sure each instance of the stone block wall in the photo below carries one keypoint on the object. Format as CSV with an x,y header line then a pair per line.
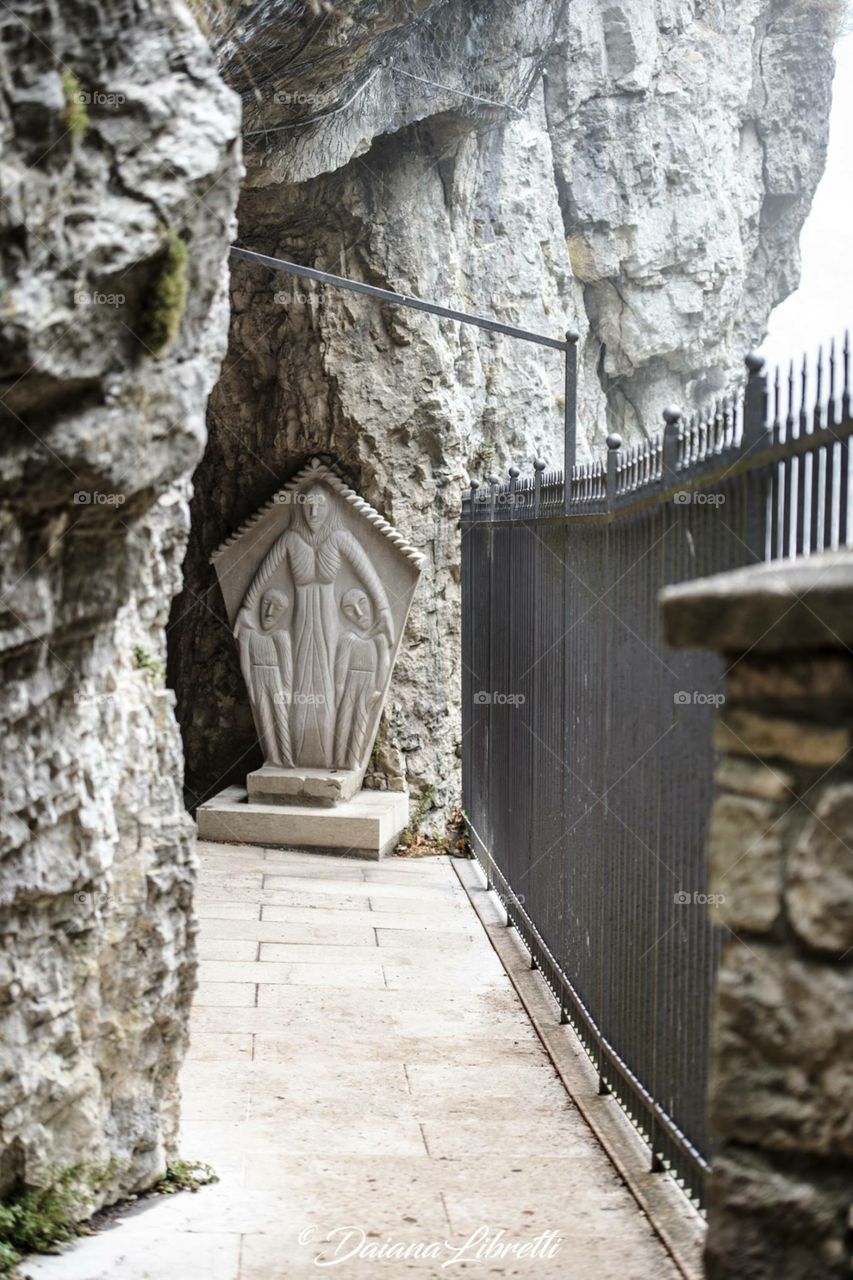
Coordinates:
x,y
780,853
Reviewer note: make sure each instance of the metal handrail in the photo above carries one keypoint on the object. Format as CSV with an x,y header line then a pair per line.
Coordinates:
x,y
400,299
567,345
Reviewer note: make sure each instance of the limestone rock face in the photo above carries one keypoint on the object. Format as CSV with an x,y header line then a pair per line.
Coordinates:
x,y
636,170
120,168
688,139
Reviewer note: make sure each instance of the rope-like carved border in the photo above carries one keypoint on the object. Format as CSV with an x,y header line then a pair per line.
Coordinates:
x,y
316,469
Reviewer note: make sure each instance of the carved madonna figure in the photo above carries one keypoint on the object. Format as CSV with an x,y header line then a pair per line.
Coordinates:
x,y
319,622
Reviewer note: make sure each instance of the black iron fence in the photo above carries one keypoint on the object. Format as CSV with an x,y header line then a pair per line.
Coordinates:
x,y
587,754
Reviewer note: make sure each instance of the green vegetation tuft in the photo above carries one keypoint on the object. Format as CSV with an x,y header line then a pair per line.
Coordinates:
x,y
483,458
419,812
415,844
166,302
76,114
185,1175
37,1219
147,662
376,753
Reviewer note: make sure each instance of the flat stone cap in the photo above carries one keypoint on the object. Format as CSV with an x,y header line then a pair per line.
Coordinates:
x,y
787,606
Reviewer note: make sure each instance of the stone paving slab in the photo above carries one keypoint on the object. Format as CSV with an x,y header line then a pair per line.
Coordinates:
x,y
428,922
224,909
367,1084
284,931
227,948
225,994
374,889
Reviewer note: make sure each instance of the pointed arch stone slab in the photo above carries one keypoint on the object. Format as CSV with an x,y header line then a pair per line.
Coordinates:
x,y
317,587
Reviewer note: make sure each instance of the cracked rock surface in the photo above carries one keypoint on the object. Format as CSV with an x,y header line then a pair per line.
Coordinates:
x,y
119,140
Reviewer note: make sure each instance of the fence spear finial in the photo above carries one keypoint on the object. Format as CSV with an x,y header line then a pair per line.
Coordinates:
x,y
755,403
672,417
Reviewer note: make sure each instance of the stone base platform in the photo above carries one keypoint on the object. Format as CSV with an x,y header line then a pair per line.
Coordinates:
x,y
367,826
271,785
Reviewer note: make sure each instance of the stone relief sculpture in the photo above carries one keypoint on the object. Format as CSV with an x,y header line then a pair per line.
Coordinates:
x,y
315,685
317,586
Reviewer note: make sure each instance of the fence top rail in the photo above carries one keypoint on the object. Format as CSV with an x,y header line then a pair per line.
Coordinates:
x,y
756,428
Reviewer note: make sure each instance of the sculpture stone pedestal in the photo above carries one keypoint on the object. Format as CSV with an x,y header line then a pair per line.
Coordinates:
x,y
272,785
366,826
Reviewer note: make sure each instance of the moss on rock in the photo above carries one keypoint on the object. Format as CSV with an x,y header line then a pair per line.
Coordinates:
x,y
76,113
37,1219
166,301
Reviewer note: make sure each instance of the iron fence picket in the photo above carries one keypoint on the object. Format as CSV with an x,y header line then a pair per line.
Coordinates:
x,y
589,803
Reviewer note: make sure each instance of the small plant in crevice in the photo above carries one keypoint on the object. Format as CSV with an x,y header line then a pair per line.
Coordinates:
x,y
483,458
166,299
184,1175
146,661
417,816
457,833
375,755
38,1219
42,1219
418,844
76,116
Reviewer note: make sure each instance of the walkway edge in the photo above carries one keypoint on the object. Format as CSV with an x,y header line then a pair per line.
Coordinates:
x,y
679,1226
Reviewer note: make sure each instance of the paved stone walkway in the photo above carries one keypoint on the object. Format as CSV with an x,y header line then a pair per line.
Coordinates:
x,y
365,1080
